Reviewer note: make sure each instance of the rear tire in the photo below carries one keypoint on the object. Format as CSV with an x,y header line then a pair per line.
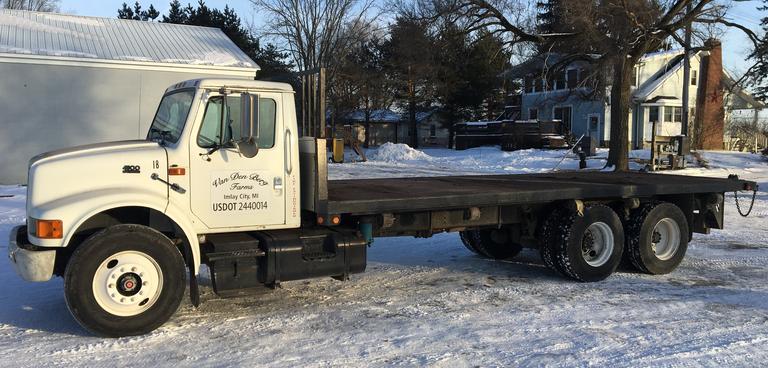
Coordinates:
x,y
656,238
490,243
587,248
124,280
546,243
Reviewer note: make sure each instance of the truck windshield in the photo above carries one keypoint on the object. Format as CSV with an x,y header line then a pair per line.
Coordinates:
x,y
171,116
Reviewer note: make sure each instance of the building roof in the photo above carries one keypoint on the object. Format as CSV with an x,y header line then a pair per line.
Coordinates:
x,y
379,116
645,90
36,34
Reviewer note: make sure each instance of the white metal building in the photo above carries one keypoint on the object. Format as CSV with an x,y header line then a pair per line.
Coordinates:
x,y
68,80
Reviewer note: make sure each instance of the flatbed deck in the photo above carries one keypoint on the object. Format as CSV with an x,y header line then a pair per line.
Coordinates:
x,y
372,196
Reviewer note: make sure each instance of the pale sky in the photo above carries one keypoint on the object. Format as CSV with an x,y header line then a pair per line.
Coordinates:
x,y
736,46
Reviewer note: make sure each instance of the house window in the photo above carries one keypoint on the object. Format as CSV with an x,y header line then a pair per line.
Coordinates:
x,y
653,114
594,123
563,114
537,87
678,114
528,84
560,81
533,114
432,131
673,114
572,78
694,77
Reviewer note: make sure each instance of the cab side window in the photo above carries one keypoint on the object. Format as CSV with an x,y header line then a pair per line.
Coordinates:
x,y
210,131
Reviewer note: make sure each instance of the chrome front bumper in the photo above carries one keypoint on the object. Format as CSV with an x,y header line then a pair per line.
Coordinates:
x,y
32,263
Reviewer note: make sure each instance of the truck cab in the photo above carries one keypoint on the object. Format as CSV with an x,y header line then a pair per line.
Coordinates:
x,y
221,156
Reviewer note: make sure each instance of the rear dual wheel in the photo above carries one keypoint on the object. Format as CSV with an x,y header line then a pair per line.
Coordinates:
x,y
490,243
586,248
657,237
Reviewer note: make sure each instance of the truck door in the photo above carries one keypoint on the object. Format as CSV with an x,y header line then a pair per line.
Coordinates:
x,y
229,189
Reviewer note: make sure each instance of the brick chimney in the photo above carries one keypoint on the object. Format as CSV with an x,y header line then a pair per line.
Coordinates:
x,y
709,124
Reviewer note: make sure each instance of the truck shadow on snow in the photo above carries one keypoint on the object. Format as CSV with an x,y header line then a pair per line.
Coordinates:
x,y
39,308
428,270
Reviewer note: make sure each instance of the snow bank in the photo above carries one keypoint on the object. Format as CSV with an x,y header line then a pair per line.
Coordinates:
x,y
397,152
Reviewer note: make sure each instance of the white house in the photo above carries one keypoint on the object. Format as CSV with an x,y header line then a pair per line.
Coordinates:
x,y
67,80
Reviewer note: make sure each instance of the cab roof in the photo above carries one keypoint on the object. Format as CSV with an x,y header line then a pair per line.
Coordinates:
x,y
216,83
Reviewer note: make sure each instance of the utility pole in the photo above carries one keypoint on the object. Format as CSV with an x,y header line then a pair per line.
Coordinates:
x,y
686,74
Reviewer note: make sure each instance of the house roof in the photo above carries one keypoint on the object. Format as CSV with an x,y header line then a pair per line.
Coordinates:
x,y
644,91
380,115
26,33
748,100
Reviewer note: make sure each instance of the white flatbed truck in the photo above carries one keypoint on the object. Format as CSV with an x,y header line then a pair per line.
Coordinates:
x,y
225,179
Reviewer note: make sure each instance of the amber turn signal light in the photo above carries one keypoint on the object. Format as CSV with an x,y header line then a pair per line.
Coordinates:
x,y
176,171
49,229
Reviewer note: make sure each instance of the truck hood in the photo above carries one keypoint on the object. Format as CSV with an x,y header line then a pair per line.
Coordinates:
x,y
92,148
84,171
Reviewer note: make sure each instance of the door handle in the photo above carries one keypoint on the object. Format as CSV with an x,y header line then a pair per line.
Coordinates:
x,y
288,152
278,183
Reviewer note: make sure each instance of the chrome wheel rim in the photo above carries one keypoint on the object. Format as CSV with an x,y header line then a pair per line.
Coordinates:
x,y
597,244
665,239
127,283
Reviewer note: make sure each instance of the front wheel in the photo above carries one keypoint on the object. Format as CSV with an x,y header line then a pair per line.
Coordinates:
x,y
124,280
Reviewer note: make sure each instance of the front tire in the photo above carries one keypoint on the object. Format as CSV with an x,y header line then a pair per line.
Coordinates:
x,y
657,238
124,280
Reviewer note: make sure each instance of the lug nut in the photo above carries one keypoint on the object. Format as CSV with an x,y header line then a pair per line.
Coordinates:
x,y
111,286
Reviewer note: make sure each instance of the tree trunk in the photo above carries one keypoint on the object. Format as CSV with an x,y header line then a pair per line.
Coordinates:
x,y
618,153
367,125
413,128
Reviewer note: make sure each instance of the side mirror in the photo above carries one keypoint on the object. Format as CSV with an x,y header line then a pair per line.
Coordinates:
x,y
248,144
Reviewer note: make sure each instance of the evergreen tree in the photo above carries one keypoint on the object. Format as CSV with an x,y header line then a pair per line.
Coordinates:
x,y
137,12
176,14
548,16
150,14
410,64
759,72
125,12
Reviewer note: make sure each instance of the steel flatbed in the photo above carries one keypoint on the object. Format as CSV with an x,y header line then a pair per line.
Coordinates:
x,y
372,196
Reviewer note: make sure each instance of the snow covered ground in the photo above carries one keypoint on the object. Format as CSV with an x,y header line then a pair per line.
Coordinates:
x,y
431,302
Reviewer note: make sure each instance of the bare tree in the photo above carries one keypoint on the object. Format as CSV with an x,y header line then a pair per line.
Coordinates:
x,y
315,32
609,34
34,5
